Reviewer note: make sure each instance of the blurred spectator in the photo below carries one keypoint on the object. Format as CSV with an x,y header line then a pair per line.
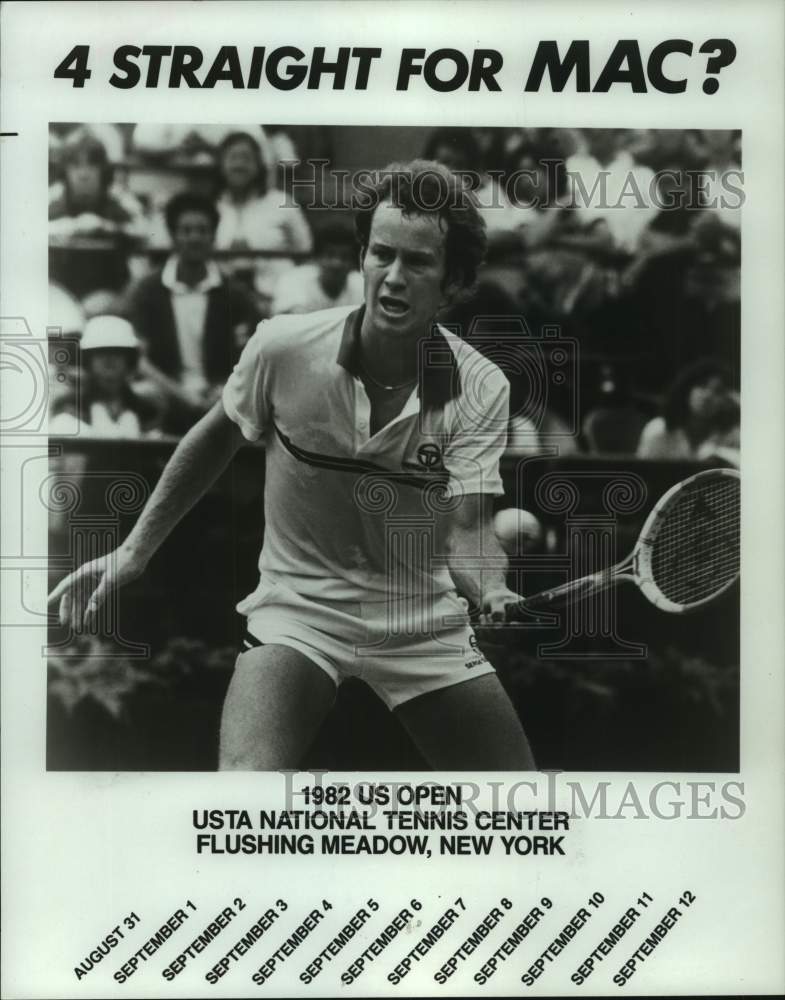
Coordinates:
x,y
188,145
494,204
101,302
489,142
549,434
555,143
700,418
662,148
721,163
621,186
614,423
192,321
681,291
282,144
534,167
284,152
254,214
667,244
491,321
112,138
475,152
456,148
687,240
178,144
332,280
570,262
566,263
66,314
105,404
536,188
523,438
713,282
718,148
91,226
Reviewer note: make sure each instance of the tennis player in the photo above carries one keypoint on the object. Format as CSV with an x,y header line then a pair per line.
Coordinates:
x,y
383,433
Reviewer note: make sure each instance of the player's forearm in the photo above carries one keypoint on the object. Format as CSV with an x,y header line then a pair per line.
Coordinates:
x,y
196,463
477,563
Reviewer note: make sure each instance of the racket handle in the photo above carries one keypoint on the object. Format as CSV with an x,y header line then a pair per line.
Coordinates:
x,y
565,593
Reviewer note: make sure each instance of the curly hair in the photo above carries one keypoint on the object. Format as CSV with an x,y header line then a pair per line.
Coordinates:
x,y
188,201
426,187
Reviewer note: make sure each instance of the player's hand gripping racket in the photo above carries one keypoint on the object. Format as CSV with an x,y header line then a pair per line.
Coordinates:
x,y
687,553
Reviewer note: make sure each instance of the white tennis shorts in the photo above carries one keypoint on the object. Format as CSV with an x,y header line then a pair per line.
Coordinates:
x,y
401,648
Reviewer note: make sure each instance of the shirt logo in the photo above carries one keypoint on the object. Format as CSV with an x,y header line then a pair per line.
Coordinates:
x,y
429,456
477,657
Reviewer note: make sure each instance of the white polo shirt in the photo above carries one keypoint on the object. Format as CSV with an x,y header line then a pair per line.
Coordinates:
x,y
350,516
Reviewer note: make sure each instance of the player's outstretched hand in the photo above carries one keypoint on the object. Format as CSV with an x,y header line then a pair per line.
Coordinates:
x,y
83,592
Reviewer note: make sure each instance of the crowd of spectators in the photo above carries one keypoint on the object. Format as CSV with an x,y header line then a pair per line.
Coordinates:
x,y
168,244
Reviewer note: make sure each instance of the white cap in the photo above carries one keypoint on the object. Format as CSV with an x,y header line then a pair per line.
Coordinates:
x,y
105,332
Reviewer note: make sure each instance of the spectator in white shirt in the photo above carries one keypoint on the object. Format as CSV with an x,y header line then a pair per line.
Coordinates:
x,y
331,280
192,321
254,214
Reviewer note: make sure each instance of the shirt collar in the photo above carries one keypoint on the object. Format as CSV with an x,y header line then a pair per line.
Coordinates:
x,y
439,380
169,278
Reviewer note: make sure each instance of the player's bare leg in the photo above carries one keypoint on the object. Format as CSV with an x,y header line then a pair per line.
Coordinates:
x,y
276,702
471,726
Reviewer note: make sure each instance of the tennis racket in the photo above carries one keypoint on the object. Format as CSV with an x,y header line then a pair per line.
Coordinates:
x,y
687,553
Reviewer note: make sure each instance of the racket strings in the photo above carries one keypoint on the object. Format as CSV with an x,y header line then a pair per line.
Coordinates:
x,y
696,550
